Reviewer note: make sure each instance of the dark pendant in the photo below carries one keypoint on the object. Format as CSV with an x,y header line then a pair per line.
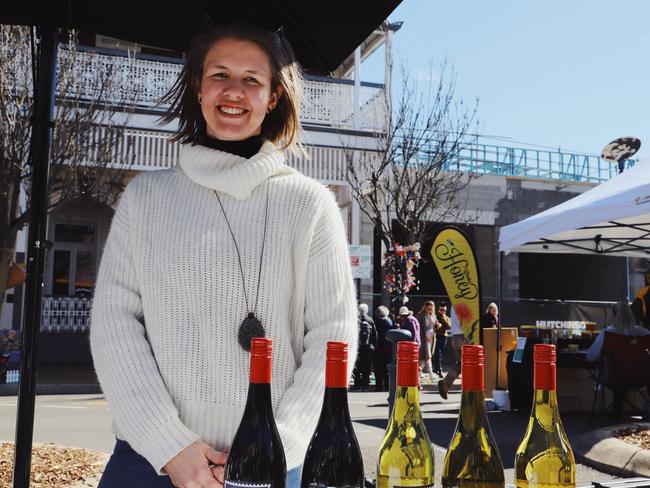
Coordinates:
x,y
250,327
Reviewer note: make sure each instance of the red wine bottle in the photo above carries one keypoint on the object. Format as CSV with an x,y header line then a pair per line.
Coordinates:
x,y
333,457
256,458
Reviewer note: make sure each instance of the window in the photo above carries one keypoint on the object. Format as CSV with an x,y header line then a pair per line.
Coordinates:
x,y
73,259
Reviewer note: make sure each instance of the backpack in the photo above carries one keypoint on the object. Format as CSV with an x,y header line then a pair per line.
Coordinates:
x,y
365,334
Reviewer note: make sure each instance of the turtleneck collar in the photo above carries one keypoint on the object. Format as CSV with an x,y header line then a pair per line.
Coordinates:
x,y
246,148
228,173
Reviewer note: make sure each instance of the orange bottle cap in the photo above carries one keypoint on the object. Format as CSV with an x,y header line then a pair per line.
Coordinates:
x,y
472,368
408,357
544,357
261,357
336,368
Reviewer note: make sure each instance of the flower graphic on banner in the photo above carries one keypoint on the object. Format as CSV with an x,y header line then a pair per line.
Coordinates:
x,y
463,312
400,263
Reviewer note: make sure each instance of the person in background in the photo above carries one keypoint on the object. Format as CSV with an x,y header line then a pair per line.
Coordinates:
x,y
457,341
367,344
383,351
490,317
408,322
624,325
363,314
641,303
427,319
444,324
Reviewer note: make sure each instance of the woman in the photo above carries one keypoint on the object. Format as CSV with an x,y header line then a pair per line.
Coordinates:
x,y
230,244
428,324
623,325
491,316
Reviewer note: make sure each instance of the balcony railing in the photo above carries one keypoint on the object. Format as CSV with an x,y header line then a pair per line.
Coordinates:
x,y
326,101
527,162
151,150
66,314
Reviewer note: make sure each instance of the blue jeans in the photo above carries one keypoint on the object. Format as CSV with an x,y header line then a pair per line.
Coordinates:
x,y
127,469
293,477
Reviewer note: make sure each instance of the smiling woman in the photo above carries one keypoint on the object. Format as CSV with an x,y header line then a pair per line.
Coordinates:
x,y
236,93
230,245
234,67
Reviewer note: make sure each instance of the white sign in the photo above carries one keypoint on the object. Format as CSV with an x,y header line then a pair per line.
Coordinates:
x,y
360,261
562,324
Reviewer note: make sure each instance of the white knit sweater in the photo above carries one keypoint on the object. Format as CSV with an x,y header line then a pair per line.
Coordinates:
x,y
169,300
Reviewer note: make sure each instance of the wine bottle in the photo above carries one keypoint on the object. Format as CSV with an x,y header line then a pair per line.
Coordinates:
x,y
256,458
333,457
544,457
472,459
406,454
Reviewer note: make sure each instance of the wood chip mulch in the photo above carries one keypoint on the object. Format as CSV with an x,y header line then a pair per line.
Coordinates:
x,y
639,435
54,466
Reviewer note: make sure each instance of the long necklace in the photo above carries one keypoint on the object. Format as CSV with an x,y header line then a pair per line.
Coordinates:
x,y
251,326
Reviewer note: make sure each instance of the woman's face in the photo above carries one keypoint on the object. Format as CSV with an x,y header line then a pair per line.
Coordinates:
x,y
494,310
235,92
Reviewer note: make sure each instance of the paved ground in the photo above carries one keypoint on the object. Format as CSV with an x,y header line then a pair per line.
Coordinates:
x,y
85,421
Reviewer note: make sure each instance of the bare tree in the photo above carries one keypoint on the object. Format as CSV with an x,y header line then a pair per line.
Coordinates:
x,y
89,153
412,178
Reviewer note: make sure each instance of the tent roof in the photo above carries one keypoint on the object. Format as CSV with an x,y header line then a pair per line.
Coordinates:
x,y
322,35
612,218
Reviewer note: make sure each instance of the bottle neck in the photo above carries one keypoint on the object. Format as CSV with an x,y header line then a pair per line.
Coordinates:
x,y
472,400
259,398
335,403
407,402
472,415
545,399
545,412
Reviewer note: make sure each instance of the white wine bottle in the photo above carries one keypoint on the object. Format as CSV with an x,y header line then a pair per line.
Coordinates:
x,y
544,458
472,459
406,454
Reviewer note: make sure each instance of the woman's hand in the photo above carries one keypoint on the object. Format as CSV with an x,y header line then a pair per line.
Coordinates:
x,y
197,466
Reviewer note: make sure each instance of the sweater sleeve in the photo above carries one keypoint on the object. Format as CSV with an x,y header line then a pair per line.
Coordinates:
x,y
142,409
330,315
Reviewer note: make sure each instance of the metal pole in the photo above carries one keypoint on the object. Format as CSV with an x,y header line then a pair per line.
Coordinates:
x,y
394,336
501,256
356,210
39,150
626,279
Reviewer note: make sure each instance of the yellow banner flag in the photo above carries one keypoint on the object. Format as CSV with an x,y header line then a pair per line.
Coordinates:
x,y
456,264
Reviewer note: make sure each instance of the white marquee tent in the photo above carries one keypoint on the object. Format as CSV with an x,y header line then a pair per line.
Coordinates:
x,y
612,219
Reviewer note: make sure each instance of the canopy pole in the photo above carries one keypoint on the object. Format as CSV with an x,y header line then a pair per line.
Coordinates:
x,y
39,151
499,298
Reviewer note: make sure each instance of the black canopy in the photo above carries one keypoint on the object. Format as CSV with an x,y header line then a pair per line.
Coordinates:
x,y
322,34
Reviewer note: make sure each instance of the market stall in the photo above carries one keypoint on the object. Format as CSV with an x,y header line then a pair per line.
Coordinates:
x,y
611,219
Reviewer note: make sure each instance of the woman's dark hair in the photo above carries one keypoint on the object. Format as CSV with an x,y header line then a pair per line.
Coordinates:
x,y
281,126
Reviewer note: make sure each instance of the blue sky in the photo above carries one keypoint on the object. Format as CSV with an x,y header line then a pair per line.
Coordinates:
x,y
573,74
